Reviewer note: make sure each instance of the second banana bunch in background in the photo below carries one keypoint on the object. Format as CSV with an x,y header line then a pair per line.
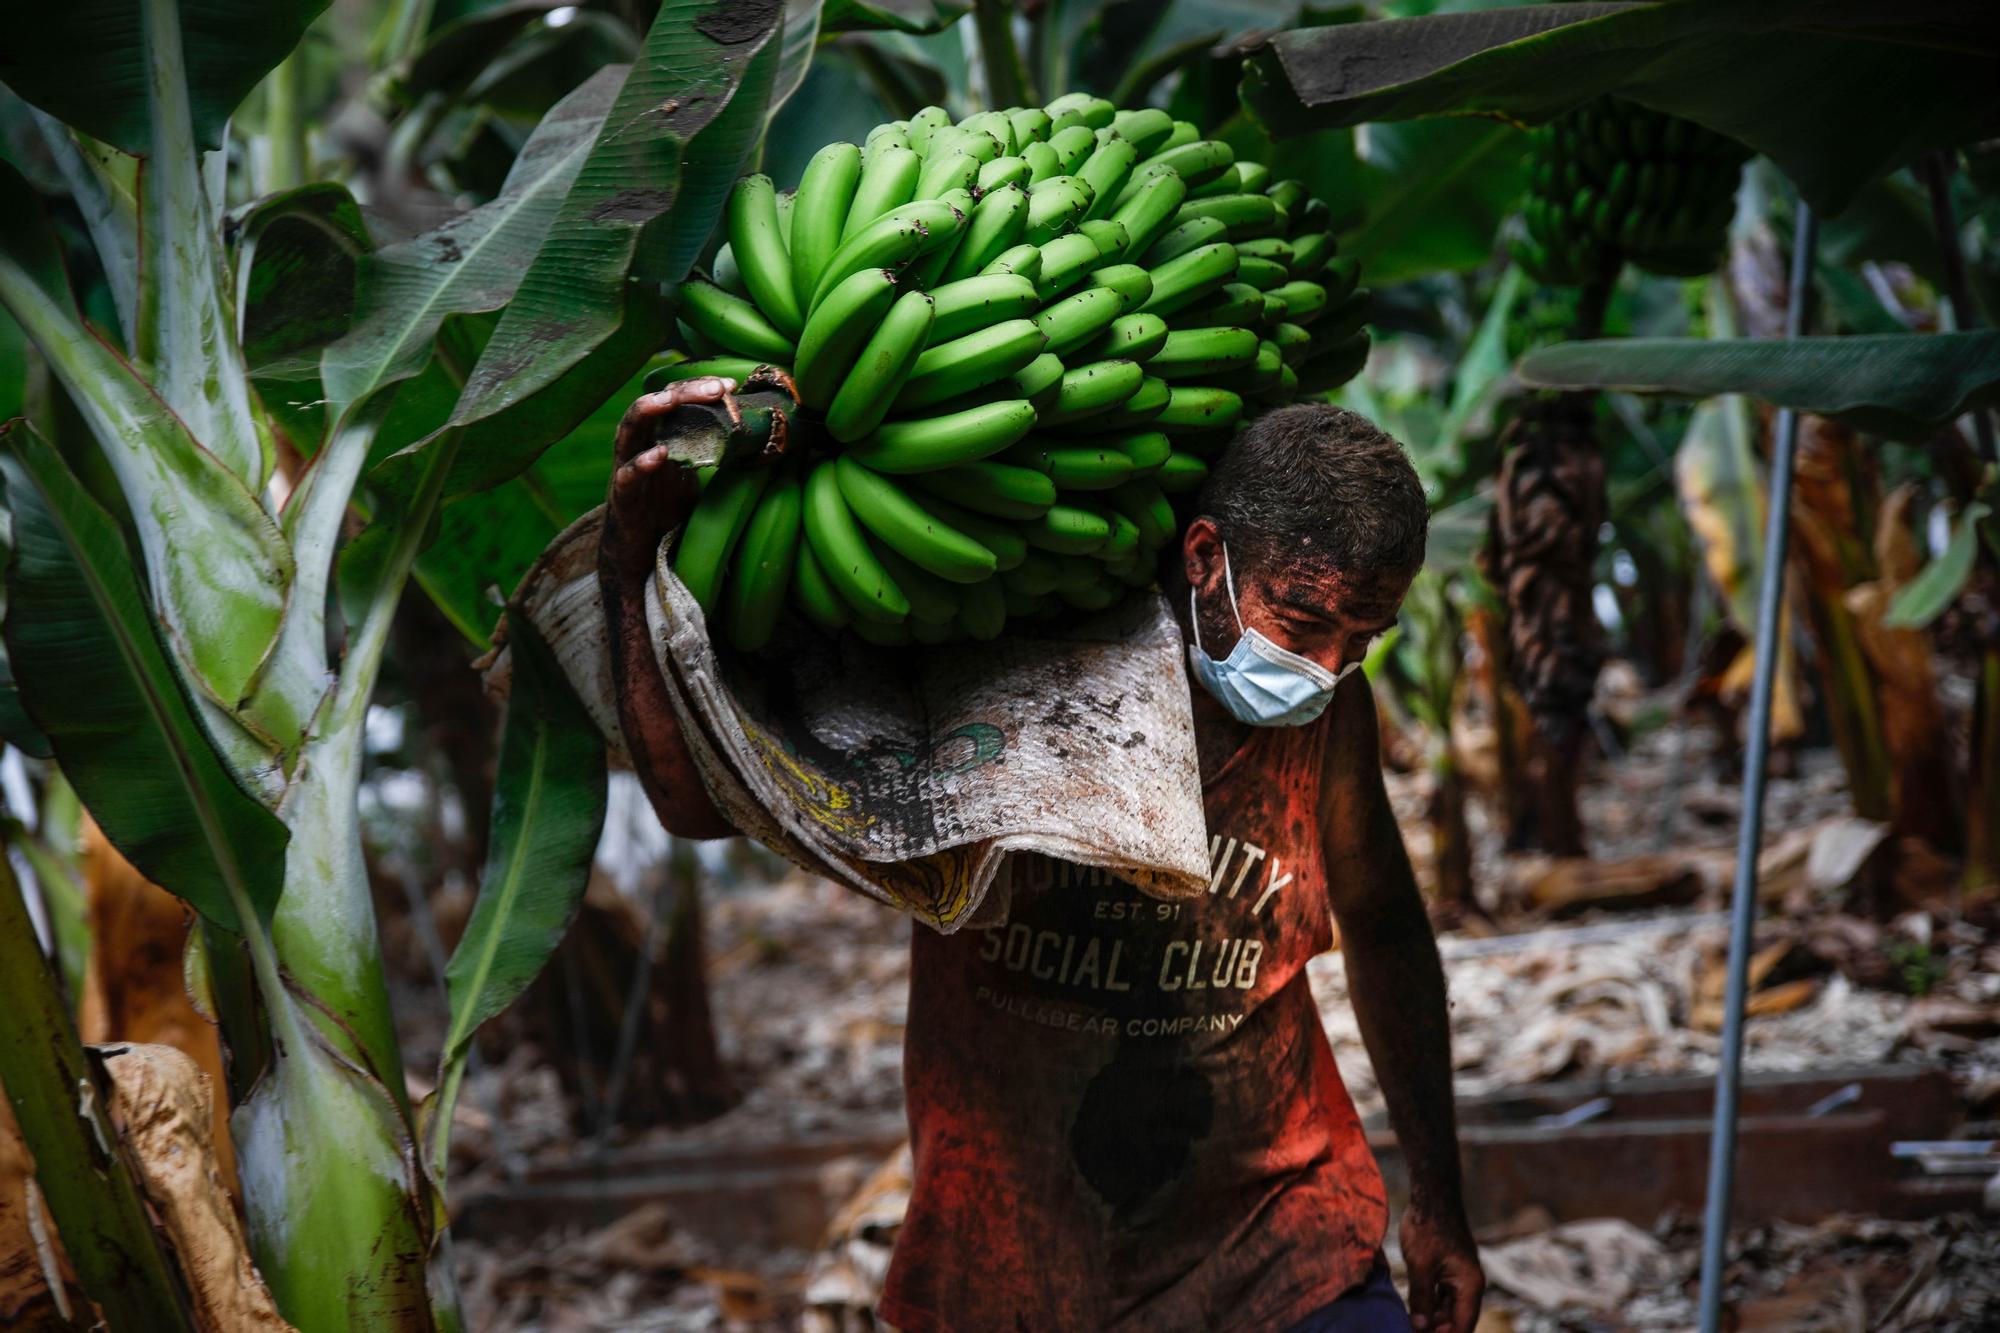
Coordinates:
x,y
1015,340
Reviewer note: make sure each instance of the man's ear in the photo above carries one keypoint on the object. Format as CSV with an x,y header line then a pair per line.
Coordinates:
x,y
1201,554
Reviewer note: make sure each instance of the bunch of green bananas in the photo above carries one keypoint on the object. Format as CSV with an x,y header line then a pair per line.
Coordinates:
x,y
1613,181
1014,338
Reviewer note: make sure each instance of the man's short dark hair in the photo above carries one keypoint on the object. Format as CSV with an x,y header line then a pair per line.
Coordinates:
x,y
1315,480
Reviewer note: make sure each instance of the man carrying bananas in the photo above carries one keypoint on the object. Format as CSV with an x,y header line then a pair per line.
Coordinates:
x,y
1124,1112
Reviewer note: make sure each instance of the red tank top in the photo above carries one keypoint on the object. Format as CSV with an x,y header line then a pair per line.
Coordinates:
x,y
1124,1112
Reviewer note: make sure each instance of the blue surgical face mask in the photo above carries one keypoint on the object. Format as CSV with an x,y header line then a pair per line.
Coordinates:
x,y
1260,683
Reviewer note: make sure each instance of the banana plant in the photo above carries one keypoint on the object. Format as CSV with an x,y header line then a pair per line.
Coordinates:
x,y
190,636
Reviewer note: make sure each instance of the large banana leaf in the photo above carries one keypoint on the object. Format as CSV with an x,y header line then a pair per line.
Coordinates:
x,y
1899,385
548,810
471,263
587,314
297,257
216,563
795,58
1836,92
84,61
96,680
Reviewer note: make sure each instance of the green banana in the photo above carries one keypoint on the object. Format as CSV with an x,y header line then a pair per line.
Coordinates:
x,y
1199,162
973,303
1310,253
886,510
1023,260
1111,237
889,178
926,123
1075,320
953,171
1073,146
1066,261
1133,284
879,371
1031,125
731,322
839,328
1106,169
1149,211
1289,195
1199,353
926,269
994,123
891,133
1229,182
760,254
1147,128
1181,474
1093,388
713,529
1261,274
928,443
813,593
725,273
1096,112
933,601
1056,206
1004,171
1256,178
1145,404
1147,507
1293,343
819,213
1339,278
1183,281
979,145
1147,449
1184,132
1073,467
1068,529
1191,409
1232,303
1183,238
1275,248
997,224
997,535
1123,543
1043,162
762,571
1133,337
999,490
1303,300
946,370
895,238
1040,381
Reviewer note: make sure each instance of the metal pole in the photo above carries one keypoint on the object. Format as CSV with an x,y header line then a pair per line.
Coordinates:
x,y
1743,907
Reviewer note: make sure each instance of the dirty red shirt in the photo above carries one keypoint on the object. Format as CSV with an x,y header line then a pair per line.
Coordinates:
x,y
1124,1112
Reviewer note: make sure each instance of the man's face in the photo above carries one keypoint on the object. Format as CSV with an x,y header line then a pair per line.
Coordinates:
x,y
1298,602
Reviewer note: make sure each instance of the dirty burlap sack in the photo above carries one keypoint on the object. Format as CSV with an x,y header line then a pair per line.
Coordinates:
x,y
912,774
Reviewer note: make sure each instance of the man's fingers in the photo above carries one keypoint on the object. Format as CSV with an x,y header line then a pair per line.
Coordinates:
x,y
707,389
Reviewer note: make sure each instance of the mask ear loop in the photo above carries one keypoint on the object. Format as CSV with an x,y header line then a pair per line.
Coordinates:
x,y
1194,615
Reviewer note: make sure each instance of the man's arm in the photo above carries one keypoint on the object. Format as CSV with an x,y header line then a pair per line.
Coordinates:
x,y
650,494
1397,987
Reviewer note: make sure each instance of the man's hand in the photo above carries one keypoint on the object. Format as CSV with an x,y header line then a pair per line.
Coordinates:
x,y
650,493
1446,1282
